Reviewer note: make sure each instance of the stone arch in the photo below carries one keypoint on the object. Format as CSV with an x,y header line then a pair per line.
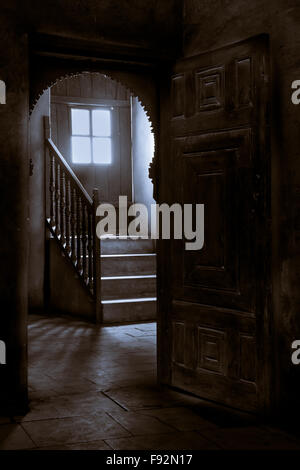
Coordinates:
x,y
119,77
135,83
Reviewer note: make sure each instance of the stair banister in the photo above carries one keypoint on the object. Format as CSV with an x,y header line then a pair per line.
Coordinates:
x,y
71,219
52,147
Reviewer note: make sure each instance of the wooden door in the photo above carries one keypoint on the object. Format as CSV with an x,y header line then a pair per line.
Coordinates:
x,y
213,306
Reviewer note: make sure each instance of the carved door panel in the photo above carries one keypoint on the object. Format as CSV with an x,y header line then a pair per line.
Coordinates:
x,y
216,300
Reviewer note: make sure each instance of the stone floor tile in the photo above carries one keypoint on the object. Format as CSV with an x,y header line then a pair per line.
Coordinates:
x,y
53,447
93,445
80,404
140,333
12,437
40,409
251,438
66,406
220,415
71,430
174,441
139,424
182,419
144,397
146,327
41,394
86,378
113,379
74,385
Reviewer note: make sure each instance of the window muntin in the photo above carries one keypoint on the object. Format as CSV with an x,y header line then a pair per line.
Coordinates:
x,y
91,138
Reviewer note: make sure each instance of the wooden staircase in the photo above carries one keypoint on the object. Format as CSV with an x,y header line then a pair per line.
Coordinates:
x,y
119,273
128,280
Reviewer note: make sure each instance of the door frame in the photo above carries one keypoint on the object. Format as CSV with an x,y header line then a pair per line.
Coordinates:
x,y
54,58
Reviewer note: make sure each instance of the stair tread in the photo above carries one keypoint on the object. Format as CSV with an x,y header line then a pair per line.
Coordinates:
x,y
124,255
138,276
123,237
124,246
133,300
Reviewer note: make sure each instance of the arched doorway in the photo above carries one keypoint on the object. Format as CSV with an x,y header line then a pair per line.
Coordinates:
x,y
75,107
99,349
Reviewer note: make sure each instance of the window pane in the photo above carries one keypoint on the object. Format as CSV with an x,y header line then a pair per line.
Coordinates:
x,y
101,122
102,150
81,150
80,121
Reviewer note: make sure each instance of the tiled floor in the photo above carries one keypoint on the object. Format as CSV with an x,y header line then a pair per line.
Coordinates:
x,y
94,388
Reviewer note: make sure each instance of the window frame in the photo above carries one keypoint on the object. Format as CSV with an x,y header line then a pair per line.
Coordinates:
x,y
92,108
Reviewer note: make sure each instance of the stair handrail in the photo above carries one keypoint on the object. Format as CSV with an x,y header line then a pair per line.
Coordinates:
x,y
52,147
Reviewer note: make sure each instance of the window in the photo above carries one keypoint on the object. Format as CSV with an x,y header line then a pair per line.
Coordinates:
x,y
91,135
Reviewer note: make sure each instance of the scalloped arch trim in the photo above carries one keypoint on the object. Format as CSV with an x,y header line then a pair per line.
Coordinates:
x,y
138,89
113,77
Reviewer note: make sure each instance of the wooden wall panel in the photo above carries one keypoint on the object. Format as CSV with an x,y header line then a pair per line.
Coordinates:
x,y
125,143
91,85
111,180
54,123
63,130
86,85
73,87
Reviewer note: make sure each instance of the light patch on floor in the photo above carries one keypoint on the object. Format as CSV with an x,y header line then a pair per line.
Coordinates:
x,y
94,387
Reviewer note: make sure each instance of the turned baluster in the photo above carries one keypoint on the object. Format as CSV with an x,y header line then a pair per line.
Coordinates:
x,y
96,262
67,213
90,250
62,204
73,224
79,230
84,242
57,197
52,187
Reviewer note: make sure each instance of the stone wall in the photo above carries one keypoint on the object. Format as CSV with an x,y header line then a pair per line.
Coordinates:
x,y
153,24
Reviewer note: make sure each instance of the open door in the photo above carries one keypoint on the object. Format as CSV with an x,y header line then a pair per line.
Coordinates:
x,y
214,303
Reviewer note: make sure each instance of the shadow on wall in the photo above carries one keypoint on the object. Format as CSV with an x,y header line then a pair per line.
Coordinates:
x,y
142,154
37,204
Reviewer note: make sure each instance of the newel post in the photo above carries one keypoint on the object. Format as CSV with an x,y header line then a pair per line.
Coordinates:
x,y
97,261
48,174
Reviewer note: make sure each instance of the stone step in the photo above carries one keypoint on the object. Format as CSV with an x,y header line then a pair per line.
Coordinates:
x,y
128,264
129,310
123,287
124,245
